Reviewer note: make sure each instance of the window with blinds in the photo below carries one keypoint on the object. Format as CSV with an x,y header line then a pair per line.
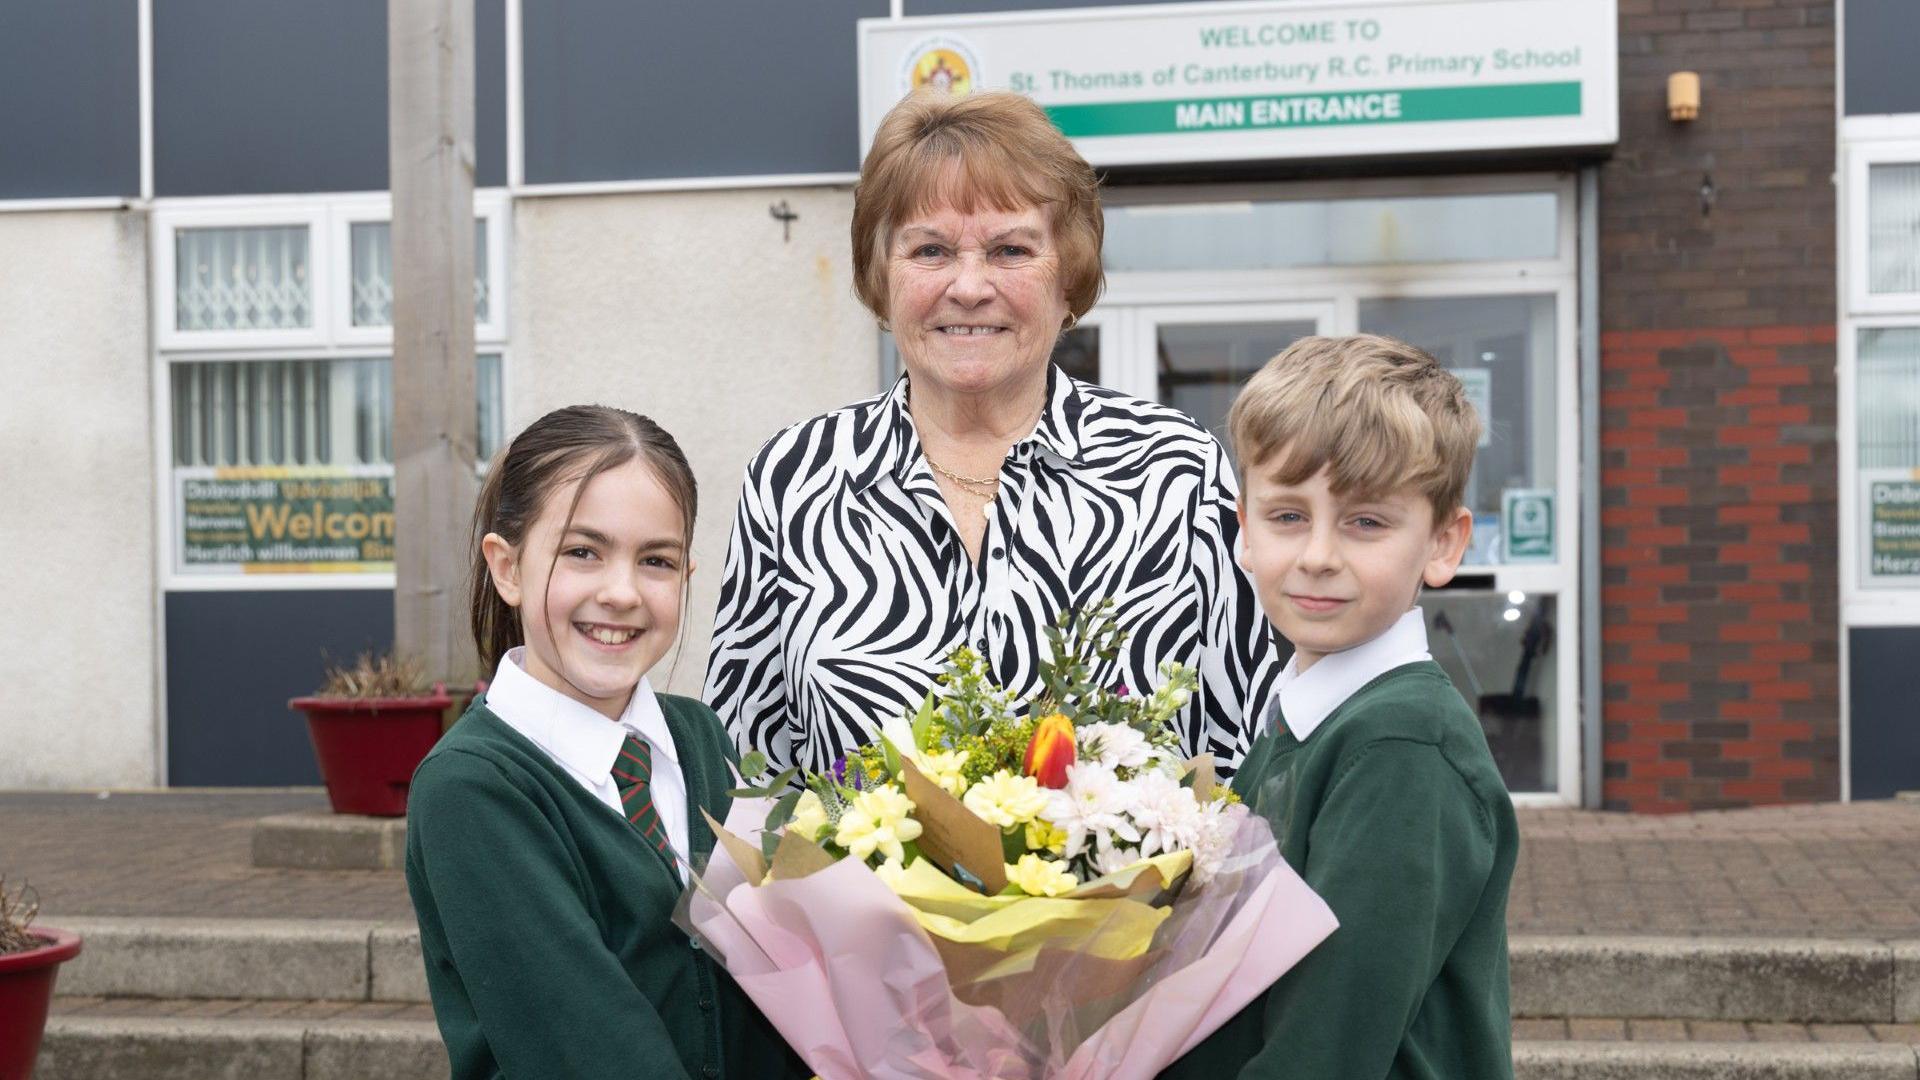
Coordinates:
x,y
275,352
257,413
1893,228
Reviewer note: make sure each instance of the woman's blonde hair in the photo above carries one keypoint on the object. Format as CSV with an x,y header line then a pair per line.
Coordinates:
x,y
1379,414
993,148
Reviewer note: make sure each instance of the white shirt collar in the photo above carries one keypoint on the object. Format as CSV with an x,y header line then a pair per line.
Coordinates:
x,y
574,734
1306,700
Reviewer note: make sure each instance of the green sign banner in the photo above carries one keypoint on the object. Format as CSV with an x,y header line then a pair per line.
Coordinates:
x,y
284,521
1893,528
1178,115
1176,84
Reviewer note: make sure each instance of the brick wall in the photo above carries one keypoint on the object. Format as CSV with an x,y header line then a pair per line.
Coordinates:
x,y
1719,574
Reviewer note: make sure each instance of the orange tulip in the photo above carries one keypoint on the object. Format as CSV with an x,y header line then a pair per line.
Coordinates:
x,y
1051,751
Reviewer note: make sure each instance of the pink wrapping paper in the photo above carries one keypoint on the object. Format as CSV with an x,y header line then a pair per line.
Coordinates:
x,y
841,967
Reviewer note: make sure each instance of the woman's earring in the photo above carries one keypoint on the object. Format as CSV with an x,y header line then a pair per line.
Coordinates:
x,y
1072,321
885,326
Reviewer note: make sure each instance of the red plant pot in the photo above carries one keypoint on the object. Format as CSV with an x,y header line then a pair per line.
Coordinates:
x,y
368,749
26,988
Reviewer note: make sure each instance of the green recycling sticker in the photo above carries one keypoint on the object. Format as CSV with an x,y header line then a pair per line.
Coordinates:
x,y
1527,525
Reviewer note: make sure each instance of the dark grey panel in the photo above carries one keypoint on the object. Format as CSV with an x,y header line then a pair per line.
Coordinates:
x,y
1881,36
233,660
1884,703
490,93
70,78
617,90
974,7
288,96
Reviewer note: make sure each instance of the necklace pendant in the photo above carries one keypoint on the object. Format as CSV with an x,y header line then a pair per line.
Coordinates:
x,y
986,512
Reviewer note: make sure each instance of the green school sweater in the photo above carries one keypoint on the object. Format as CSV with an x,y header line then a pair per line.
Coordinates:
x,y
546,919
1394,812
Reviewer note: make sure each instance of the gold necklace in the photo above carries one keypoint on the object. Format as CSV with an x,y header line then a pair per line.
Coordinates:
x,y
974,484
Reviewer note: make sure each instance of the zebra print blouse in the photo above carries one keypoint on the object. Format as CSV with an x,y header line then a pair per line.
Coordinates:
x,y
846,584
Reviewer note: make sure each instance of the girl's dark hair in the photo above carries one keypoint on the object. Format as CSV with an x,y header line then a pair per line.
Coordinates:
x,y
567,446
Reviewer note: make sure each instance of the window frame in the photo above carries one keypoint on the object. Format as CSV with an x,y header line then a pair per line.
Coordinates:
x,y
491,207
1861,158
1888,140
331,337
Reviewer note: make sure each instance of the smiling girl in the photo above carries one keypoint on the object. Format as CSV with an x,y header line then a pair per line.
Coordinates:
x,y
550,831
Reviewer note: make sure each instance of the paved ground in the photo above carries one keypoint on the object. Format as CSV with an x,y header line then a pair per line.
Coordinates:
x,y
1828,870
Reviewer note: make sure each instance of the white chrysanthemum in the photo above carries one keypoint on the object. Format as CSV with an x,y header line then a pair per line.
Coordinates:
x,y
1114,859
1005,800
1167,814
1117,746
1093,806
877,821
1212,840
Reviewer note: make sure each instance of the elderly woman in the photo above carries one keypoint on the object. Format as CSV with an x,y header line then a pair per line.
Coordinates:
x,y
987,491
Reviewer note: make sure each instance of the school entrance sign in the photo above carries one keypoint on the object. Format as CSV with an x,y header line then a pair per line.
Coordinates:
x,y
1207,82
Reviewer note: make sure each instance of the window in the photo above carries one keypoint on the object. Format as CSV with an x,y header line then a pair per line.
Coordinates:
x,y
276,353
1880,387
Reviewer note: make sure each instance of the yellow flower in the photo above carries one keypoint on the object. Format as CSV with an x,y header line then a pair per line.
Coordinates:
x,y
1006,800
809,816
1042,836
890,873
877,821
1036,876
944,769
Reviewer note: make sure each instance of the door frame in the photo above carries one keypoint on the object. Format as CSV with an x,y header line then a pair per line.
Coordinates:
x,y
1136,301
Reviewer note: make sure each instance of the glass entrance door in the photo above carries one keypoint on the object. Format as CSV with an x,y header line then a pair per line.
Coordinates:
x,y
1480,273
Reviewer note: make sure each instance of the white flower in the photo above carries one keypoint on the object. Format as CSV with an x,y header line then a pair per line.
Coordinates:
x,y
1094,805
1006,800
877,821
1114,859
1167,814
1117,746
1212,840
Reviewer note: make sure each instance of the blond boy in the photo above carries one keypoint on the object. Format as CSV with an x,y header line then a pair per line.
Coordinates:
x,y
1354,453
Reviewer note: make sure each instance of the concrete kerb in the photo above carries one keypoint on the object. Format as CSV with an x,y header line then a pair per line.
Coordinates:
x,y
77,1048
251,959
1906,982
322,841
1714,1061
1793,980
1760,979
86,1048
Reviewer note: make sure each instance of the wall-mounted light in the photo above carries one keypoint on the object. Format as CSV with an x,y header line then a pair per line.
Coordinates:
x,y
1683,96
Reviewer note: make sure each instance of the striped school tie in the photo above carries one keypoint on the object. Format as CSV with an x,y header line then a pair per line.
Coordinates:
x,y
633,774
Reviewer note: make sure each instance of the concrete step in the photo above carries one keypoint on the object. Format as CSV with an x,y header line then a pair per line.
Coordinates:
x,y
257,959
1789,980
100,1038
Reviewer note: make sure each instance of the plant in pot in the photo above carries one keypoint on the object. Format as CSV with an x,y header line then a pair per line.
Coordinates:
x,y
371,724
30,958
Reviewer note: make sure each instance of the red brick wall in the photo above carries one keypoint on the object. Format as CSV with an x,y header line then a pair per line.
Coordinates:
x,y
1719,575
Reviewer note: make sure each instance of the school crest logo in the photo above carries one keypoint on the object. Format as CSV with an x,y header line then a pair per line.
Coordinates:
x,y
941,62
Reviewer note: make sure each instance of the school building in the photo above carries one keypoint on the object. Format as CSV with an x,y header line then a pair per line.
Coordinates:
x,y
1672,247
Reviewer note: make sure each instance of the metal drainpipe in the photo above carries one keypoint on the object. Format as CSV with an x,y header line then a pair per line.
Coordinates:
x,y
1591,688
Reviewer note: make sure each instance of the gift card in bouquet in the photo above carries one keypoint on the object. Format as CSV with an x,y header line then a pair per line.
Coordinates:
x,y
954,837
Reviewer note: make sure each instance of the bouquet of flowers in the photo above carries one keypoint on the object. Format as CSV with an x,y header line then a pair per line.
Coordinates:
x,y
998,889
